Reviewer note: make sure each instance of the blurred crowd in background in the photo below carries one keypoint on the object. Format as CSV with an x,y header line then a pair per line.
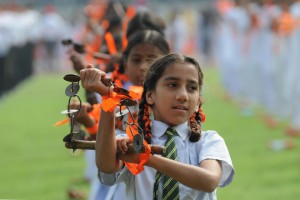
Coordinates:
x,y
255,44
257,52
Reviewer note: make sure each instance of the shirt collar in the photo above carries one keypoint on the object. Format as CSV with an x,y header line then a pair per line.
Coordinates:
x,y
159,128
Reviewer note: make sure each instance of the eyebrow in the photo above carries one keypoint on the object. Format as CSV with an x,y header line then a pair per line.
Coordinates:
x,y
172,78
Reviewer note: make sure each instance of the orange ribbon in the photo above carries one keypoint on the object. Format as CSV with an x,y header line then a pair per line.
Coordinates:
x,y
202,115
143,157
109,104
62,122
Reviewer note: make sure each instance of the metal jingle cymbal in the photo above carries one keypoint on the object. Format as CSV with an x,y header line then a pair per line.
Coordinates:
x,y
122,112
137,143
121,91
71,111
72,89
72,78
128,102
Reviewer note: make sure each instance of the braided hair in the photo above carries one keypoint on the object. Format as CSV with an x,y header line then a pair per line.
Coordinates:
x,y
154,73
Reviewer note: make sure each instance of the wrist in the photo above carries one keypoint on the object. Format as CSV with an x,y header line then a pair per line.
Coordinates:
x,y
109,94
151,160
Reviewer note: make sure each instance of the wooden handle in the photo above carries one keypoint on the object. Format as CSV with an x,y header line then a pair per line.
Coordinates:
x,y
90,145
102,56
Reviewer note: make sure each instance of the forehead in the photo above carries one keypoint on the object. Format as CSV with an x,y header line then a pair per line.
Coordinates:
x,y
146,50
185,71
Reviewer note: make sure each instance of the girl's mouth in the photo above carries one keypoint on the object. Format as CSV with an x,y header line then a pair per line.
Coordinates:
x,y
180,107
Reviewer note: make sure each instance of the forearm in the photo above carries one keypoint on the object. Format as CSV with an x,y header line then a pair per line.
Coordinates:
x,y
106,148
86,121
194,177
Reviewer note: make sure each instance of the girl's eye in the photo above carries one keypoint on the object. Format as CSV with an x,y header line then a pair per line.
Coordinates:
x,y
192,88
136,60
171,84
150,59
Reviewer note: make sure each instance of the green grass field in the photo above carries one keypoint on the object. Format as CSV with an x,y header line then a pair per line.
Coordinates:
x,y
36,165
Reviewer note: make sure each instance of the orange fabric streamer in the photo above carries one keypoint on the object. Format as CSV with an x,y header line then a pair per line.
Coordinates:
x,y
92,130
109,104
143,157
110,42
130,13
62,122
137,89
95,114
119,78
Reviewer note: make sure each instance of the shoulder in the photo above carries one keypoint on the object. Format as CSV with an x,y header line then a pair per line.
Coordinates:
x,y
212,144
210,135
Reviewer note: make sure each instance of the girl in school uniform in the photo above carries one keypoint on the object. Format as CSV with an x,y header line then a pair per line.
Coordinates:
x,y
195,162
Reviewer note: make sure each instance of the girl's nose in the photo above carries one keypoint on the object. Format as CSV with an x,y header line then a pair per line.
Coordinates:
x,y
142,71
139,78
182,94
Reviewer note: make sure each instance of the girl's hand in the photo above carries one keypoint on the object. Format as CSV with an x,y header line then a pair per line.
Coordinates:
x,y
83,113
82,117
91,80
122,147
122,144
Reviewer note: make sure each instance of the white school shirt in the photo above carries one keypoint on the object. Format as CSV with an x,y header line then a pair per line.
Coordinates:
x,y
210,146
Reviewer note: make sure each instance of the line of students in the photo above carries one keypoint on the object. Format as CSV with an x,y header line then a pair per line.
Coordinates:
x,y
172,94
140,47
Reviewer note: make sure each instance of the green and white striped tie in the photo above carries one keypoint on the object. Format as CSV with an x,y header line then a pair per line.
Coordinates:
x,y
170,186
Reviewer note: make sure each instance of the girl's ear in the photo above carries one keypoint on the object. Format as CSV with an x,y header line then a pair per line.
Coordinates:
x,y
149,98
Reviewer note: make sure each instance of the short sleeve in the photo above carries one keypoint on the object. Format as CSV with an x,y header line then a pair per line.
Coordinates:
x,y
111,179
212,146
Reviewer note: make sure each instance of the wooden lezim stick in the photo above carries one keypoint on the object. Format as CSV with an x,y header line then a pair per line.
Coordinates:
x,y
90,145
102,56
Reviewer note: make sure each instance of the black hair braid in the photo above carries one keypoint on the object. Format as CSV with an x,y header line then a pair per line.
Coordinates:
x,y
195,127
141,115
141,121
